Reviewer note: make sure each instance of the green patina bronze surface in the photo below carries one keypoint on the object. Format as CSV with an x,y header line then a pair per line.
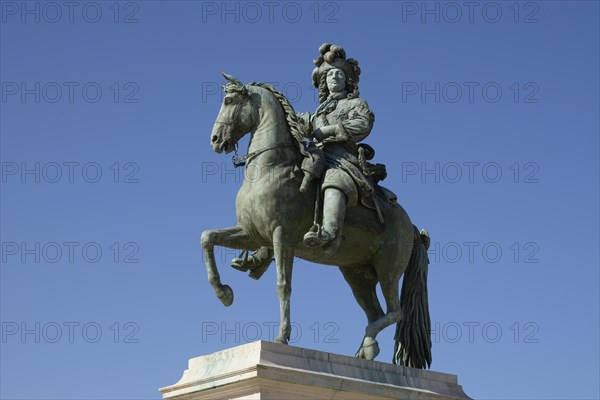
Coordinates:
x,y
312,193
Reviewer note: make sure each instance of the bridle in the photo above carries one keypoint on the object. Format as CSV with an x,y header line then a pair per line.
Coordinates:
x,y
245,160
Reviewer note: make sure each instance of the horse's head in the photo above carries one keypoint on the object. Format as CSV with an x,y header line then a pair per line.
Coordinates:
x,y
236,117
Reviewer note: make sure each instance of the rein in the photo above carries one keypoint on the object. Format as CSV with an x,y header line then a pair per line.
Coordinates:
x,y
245,160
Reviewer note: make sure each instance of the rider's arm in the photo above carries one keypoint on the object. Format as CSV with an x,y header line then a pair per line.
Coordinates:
x,y
355,127
359,123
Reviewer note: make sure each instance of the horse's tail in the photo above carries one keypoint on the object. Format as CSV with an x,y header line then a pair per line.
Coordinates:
x,y
413,332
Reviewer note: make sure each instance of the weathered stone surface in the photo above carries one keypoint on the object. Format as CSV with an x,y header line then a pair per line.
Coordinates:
x,y
265,370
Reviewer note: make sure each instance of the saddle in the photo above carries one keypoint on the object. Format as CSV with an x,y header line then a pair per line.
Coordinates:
x,y
366,217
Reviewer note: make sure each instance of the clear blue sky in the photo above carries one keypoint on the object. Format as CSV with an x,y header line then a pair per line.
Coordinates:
x,y
486,116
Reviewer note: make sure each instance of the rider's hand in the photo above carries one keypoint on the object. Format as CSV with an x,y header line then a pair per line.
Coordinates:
x,y
324,132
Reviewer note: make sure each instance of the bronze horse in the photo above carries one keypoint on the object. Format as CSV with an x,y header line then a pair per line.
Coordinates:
x,y
272,212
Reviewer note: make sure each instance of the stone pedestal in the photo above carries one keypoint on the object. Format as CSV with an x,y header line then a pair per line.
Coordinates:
x,y
265,370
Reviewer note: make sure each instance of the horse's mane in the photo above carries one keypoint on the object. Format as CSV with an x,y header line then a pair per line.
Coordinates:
x,y
296,129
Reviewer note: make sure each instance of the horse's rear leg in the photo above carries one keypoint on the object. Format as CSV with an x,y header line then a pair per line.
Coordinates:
x,y
389,288
284,258
233,237
363,282
388,270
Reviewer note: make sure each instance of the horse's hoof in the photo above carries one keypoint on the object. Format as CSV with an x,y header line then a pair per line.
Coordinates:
x,y
280,340
226,295
360,353
370,348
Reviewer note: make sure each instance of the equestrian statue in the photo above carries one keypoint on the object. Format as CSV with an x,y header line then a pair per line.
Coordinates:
x,y
310,192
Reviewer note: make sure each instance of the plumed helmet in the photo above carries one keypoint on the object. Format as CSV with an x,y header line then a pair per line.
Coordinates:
x,y
333,56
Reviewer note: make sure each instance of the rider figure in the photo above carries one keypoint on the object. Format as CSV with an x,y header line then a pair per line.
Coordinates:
x,y
341,120
339,123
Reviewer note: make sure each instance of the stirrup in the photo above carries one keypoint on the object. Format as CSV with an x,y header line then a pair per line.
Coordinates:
x,y
317,237
250,262
312,237
241,262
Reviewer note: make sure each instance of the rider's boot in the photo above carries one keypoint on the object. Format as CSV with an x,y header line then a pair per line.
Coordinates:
x,y
334,211
257,262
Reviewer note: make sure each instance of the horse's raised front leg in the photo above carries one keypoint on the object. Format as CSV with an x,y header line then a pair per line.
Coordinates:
x,y
284,258
234,238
